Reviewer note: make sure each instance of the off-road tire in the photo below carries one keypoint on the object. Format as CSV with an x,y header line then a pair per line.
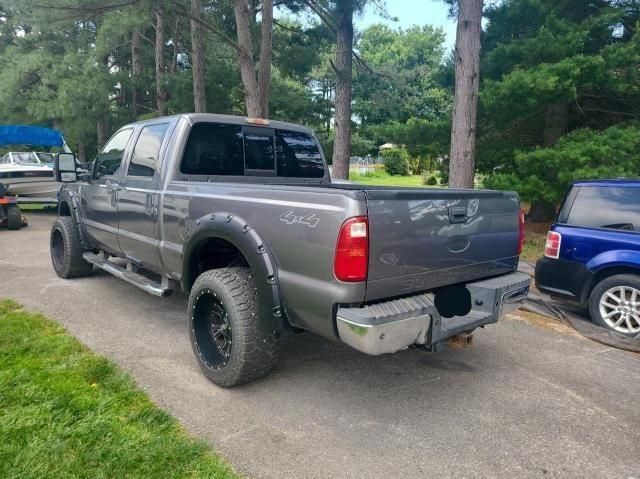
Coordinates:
x,y
253,349
66,249
624,280
14,217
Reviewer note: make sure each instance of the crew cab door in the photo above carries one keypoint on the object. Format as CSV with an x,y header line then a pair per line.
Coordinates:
x,y
138,198
99,197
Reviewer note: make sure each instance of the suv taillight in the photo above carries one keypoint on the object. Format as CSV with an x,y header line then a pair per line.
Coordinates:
x,y
552,246
521,232
352,250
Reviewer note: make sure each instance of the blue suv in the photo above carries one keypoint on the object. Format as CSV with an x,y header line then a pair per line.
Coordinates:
x,y
592,253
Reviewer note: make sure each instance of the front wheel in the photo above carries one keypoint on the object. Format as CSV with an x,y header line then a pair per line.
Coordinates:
x,y
230,343
615,304
66,249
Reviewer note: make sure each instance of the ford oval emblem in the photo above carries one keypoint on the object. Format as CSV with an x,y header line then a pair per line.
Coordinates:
x,y
458,244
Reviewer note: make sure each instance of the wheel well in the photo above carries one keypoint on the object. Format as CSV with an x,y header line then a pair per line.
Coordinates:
x,y
64,210
607,272
214,253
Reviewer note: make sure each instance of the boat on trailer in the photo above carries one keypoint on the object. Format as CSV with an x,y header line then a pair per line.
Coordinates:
x,y
29,175
25,175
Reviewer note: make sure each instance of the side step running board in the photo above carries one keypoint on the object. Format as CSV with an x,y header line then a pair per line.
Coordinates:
x,y
157,289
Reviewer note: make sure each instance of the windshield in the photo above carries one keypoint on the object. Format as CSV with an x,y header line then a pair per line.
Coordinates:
x,y
26,158
45,157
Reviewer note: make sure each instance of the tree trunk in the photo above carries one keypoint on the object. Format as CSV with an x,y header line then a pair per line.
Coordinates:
x,y
102,131
197,59
82,150
174,43
136,69
465,102
161,90
245,58
103,125
556,118
343,66
264,65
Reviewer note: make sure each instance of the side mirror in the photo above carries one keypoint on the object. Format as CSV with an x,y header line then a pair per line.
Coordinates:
x,y
64,165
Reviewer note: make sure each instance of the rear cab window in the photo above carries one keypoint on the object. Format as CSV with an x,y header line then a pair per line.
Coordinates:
x,y
609,207
246,151
146,152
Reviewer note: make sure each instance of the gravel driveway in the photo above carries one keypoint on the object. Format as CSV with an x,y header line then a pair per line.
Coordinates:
x,y
524,401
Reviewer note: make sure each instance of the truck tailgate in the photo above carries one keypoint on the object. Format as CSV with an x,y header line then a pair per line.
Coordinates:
x,y
420,239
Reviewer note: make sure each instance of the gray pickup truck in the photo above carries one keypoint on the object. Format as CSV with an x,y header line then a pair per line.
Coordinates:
x,y
242,215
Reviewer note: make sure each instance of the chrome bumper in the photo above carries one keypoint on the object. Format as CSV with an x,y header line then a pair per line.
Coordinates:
x,y
394,325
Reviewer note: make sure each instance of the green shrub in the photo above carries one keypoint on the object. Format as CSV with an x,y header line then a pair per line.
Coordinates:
x,y
396,161
429,180
543,175
443,177
414,166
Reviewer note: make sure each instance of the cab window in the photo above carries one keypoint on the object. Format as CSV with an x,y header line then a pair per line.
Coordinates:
x,y
298,155
259,153
214,149
109,159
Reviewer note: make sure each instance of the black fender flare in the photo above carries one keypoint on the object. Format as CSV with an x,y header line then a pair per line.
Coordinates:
x,y
72,200
239,233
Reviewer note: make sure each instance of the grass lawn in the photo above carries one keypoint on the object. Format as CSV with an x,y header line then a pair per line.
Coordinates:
x,y
66,412
381,178
534,240
37,206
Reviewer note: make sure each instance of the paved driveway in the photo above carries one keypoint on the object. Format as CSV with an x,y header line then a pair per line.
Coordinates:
x,y
523,402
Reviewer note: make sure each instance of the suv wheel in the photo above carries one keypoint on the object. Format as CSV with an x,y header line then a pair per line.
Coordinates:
x,y
615,304
66,249
226,334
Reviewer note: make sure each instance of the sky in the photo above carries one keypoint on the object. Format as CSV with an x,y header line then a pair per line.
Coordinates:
x,y
413,12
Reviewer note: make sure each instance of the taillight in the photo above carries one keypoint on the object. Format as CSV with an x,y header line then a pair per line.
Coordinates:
x,y
552,246
521,232
352,250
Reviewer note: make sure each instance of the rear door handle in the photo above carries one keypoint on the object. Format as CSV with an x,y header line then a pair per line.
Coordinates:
x,y
149,204
457,214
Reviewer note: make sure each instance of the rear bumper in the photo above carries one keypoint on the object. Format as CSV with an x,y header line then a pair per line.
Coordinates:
x,y
563,279
394,325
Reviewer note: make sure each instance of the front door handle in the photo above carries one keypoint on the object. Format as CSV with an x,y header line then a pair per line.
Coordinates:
x,y
111,186
113,189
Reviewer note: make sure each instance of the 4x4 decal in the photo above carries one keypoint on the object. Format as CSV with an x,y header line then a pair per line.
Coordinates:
x,y
310,219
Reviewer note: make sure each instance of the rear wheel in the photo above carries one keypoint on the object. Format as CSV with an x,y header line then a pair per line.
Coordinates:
x,y
227,337
14,217
615,304
66,249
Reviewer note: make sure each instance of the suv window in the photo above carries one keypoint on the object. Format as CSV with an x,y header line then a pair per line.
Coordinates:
x,y
611,207
109,159
298,155
214,149
147,150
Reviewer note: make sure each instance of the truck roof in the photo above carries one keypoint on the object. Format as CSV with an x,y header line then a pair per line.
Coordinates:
x,y
230,119
609,182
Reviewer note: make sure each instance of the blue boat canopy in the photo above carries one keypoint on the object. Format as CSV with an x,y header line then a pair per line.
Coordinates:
x,y
30,135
